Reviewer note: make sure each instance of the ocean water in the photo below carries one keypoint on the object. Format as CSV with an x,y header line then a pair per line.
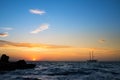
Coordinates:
x,y
66,71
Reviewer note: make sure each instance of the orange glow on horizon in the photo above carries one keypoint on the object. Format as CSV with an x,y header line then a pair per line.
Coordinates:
x,y
34,59
58,54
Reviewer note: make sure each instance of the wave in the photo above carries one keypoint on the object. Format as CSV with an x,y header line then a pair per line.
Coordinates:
x,y
66,71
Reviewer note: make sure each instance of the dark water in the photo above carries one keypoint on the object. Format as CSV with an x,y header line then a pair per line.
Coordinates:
x,y
66,71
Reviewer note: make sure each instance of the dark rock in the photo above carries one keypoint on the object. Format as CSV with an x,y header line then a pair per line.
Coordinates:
x,y
4,58
21,62
5,65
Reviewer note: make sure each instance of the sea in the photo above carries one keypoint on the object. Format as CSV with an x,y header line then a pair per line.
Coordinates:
x,y
66,70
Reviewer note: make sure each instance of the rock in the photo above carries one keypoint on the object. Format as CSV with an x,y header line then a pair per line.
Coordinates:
x,y
21,62
5,65
4,58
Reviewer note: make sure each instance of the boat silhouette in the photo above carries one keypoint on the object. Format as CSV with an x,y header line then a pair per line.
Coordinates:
x,y
91,53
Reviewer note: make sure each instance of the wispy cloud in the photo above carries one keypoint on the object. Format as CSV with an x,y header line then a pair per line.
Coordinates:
x,y
4,34
40,28
102,41
3,30
37,11
31,45
6,28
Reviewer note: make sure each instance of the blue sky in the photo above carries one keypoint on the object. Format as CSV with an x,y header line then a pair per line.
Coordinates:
x,y
60,29
72,22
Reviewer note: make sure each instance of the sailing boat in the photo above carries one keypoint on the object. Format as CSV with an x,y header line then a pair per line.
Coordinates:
x,y
91,57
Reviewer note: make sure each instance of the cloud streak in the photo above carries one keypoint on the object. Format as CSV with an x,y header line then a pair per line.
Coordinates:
x,y
30,45
6,28
4,34
40,28
102,41
37,11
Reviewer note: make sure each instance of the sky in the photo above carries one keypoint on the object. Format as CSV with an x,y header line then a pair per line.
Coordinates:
x,y
60,30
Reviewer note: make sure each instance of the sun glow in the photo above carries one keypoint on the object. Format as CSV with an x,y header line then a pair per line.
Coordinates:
x,y
34,59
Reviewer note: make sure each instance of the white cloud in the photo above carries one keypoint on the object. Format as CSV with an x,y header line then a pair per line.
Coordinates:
x,y
37,11
6,28
40,28
4,34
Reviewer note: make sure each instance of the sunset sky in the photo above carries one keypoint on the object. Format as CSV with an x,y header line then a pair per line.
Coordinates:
x,y
60,30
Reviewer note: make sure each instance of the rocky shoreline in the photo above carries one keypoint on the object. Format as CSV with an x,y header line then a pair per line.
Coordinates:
x,y
5,65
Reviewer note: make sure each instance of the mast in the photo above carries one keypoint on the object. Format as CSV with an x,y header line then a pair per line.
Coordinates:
x,y
92,55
